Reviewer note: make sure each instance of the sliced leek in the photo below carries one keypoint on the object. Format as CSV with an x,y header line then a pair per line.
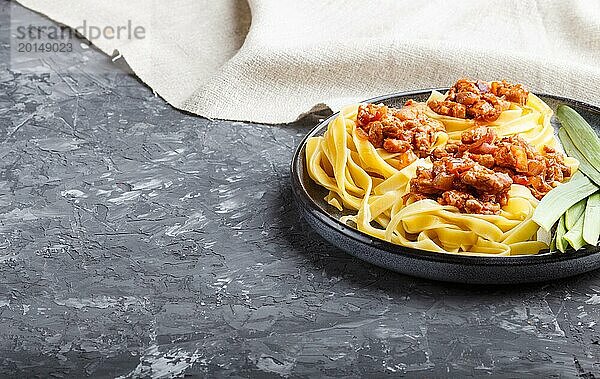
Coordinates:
x,y
580,132
574,213
584,164
591,224
560,232
561,198
575,235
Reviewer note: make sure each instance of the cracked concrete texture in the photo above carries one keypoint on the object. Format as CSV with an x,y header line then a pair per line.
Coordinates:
x,y
136,240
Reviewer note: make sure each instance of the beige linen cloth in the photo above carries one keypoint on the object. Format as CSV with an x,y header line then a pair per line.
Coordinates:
x,y
273,60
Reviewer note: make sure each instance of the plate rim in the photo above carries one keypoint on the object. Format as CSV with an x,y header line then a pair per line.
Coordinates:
x,y
305,200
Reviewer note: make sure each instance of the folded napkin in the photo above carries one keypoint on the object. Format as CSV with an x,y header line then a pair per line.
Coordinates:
x,y
273,60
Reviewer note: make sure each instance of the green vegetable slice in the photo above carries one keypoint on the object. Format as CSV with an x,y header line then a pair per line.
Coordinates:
x,y
591,224
580,132
560,232
575,235
574,213
561,198
584,164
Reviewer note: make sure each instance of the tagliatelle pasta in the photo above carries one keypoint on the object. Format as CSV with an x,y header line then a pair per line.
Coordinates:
x,y
375,184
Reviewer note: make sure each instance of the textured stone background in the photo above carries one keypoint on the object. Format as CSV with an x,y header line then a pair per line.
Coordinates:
x,y
139,241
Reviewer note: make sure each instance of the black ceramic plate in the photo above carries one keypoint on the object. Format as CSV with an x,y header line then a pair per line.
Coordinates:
x,y
448,267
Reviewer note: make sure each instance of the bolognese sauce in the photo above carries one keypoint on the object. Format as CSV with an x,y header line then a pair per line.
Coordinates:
x,y
476,173
398,130
479,100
